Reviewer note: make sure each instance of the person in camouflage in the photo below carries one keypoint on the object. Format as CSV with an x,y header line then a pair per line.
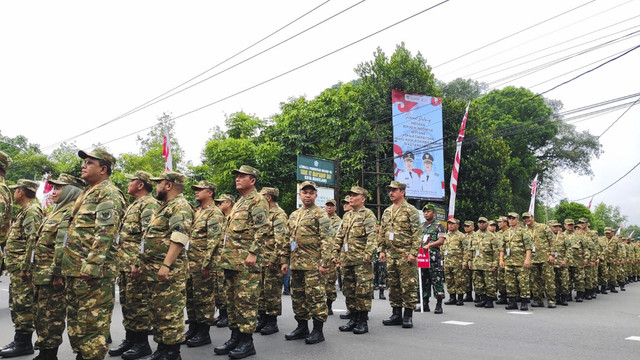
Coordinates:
x,y
503,226
332,273
467,259
48,301
275,255
244,238
560,268
89,257
433,236
225,204
400,239
485,248
542,259
205,238
164,264
515,258
591,269
134,294
576,259
353,250
453,254
19,253
309,257
612,256
603,266
6,204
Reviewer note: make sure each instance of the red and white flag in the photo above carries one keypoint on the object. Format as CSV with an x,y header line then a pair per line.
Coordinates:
x,y
620,228
453,183
166,150
590,201
532,205
44,192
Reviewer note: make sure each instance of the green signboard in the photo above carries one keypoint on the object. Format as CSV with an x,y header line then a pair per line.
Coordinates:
x,y
322,172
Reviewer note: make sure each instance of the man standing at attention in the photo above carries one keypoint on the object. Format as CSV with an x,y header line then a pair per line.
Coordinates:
x,y
515,258
433,235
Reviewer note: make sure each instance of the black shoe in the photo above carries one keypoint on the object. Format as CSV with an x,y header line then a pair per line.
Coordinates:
x,y
395,318
536,303
438,309
171,352
468,297
407,319
160,351
478,298
126,344
452,300
201,338
621,284
353,321
482,299
223,319
345,316
362,327
329,305
603,290
192,330
569,298
425,305
231,344
502,300
262,321
109,339
381,296
272,325
524,305
488,304
579,296
551,304
587,294
286,292
612,289
316,335
245,347
512,305
460,301
562,300
300,332
11,344
22,346
140,347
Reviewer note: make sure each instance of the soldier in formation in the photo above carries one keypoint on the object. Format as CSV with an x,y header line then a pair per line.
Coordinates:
x,y
433,236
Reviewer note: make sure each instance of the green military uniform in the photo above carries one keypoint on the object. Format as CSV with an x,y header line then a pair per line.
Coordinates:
x,y
467,260
6,203
612,259
542,274
590,269
501,285
89,263
516,243
433,277
453,257
485,248
332,274
560,264
213,264
603,267
576,256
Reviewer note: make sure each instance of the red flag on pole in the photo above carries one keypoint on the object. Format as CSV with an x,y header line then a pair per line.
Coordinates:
x,y
590,203
166,150
453,183
532,205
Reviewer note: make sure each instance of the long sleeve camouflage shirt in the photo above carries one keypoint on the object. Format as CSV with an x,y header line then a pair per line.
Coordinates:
x,y
49,246
578,253
310,231
516,242
357,238
23,236
206,237
561,248
6,206
134,223
543,245
453,249
485,248
277,244
400,232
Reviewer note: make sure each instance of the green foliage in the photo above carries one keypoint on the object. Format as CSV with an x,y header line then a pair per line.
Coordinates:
x,y
462,89
607,216
572,210
66,160
28,161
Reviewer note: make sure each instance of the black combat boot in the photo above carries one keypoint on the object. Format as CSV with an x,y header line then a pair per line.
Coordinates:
x,y
488,304
22,346
362,327
579,295
15,338
192,330
47,354
478,298
407,318
171,352
425,305
621,284
223,319
346,315
502,299
316,335
452,300
551,304
262,321
231,344
524,305
612,289
395,318
300,332
468,297
245,347
482,299
438,309
156,354
587,294
562,300
381,296
512,304
603,290
201,338
126,344
140,347
329,305
536,303
460,301
272,325
353,321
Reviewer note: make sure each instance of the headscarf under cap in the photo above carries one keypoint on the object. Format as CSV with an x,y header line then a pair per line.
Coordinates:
x,y
69,193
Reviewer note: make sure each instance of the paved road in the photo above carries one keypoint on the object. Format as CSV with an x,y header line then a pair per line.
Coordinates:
x,y
594,329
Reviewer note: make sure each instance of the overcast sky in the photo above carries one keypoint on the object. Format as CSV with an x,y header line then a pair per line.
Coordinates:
x,y
69,66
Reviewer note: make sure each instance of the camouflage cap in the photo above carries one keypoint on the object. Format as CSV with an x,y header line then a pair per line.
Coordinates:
x,y
397,185
357,190
408,155
501,218
346,199
98,153
427,157
526,214
578,226
246,169
331,202
553,223
513,215
5,161
226,197
143,176
204,184
482,218
270,191
468,223
173,176
492,223
569,222
311,184
27,184
608,230
583,220
66,179
429,206
453,221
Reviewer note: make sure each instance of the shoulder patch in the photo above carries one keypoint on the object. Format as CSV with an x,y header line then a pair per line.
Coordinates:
x,y
176,223
104,213
259,216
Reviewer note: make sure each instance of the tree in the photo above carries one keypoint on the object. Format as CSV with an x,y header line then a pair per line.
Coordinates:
x,y
462,89
607,216
65,159
28,161
572,210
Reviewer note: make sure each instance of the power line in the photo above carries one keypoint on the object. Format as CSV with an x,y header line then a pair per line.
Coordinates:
x,y
615,182
619,117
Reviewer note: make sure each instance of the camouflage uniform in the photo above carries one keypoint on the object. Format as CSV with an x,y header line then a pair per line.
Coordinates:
x,y
212,262
6,203
275,253
467,259
542,274
400,237
561,271
89,263
576,255
612,260
332,274
453,263
603,266
485,249
516,243
434,275
501,285
590,270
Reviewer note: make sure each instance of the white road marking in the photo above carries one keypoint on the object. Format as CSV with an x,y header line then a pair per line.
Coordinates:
x,y
334,310
453,322
520,312
635,338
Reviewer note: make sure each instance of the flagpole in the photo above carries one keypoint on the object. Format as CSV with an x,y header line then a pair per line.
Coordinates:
x,y
453,183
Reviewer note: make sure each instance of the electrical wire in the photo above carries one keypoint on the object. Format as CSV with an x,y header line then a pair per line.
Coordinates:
x,y
615,182
613,123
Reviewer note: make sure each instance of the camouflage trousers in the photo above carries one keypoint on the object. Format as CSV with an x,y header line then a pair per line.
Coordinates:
x,y
590,277
219,293
576,278
402,281
379,274
21,303
200,296
242,290
468,281
357,286
517,279
167,300
270,301
603,273
543,281
432,278
454,278
484,281
330,282
89,308
134,300
50,311
501,285
561,280
612,275
308,295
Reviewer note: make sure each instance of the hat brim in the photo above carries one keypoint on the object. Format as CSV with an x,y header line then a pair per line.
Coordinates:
x,y
353,193
157,179
236,172
309,186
